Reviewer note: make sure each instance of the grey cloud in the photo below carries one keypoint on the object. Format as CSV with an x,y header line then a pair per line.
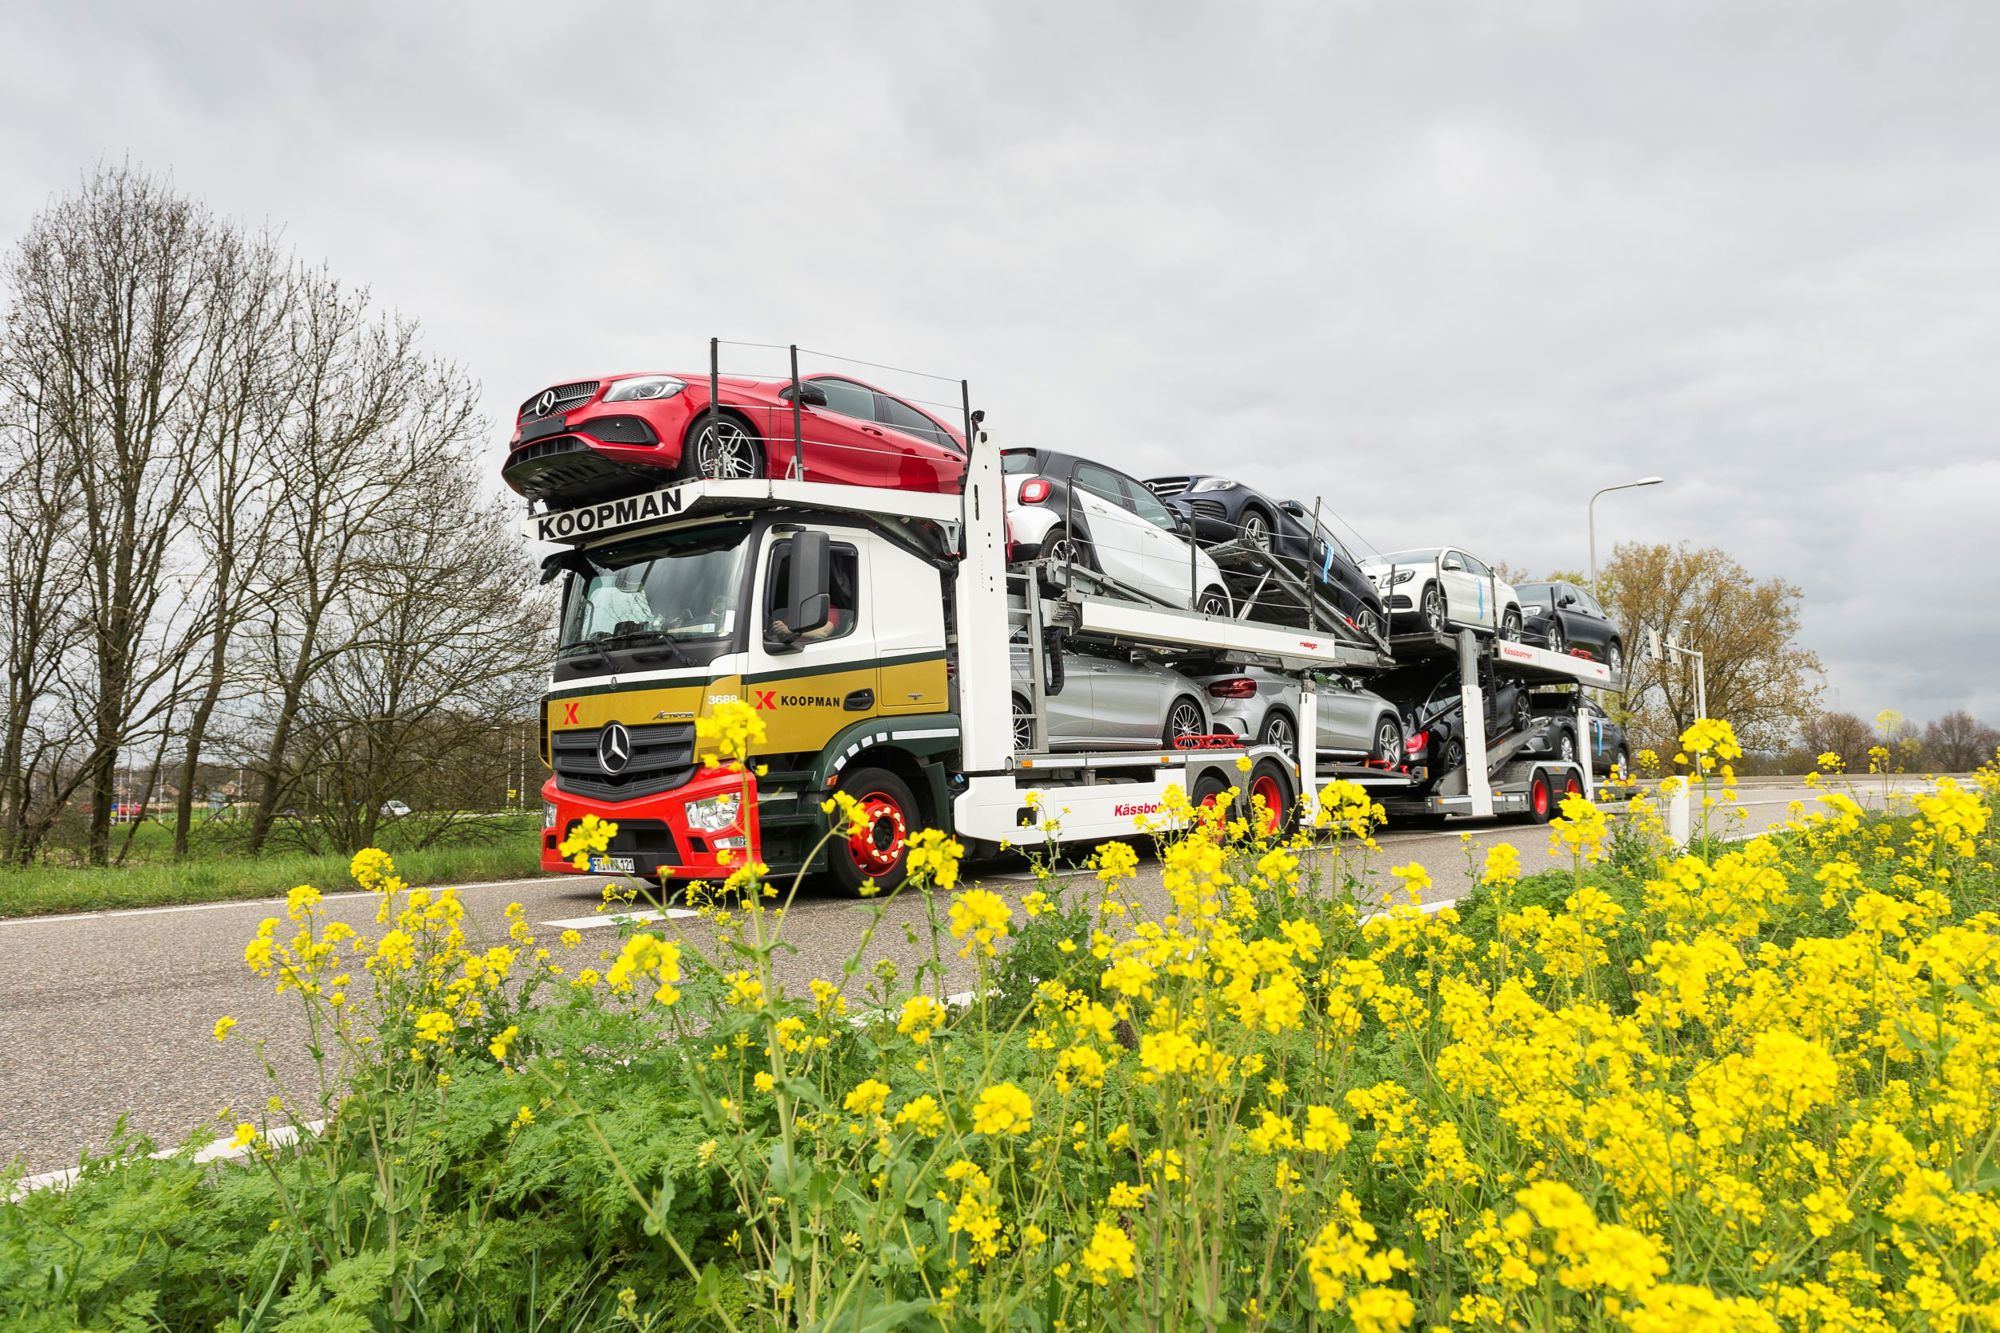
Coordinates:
x,y
1451,267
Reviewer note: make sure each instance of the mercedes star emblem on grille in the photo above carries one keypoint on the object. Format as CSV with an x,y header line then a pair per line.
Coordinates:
x,y
614,748
546,403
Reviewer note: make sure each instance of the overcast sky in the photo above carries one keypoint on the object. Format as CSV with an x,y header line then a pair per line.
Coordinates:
x,y
1451,267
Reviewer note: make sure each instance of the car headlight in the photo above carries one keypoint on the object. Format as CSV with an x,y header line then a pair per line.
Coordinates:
x,y
548,814
1401,576
712,814
1210,484
644,386
1536,612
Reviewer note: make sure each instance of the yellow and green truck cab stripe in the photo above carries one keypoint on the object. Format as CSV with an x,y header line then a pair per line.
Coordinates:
x,y
802,711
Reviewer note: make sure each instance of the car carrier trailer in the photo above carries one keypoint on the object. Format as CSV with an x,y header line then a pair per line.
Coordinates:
x,y
870,630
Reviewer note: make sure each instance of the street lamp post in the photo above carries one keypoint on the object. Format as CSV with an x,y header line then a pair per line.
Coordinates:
x,y
1591,510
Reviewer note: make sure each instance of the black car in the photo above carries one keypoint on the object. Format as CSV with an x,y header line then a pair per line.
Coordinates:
x,y
1607,743
1220,510
1434,713
1562,616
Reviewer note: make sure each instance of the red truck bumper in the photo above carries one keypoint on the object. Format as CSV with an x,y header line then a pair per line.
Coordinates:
x,y
680,834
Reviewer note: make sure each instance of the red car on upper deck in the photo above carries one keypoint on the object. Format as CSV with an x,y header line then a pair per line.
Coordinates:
x,y
593,439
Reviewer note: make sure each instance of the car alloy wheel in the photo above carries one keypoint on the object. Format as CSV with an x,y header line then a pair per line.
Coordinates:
x,y
1454,757
1183,720
1557,644
724,451
1433,605
1213,602
1522,713
1368,622
1024,726
1388,740
1257,529
1614,658
1566,750
1510,625
1278,731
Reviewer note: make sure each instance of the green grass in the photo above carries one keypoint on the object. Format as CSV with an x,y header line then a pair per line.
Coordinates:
x,y
507,848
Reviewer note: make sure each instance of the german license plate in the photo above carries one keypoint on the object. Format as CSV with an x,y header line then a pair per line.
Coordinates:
x,y
614,865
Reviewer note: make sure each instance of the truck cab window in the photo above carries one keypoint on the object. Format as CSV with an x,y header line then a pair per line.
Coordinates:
x,y
844,580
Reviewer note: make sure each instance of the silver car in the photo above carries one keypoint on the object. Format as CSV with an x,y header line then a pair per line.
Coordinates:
x,y
1354,724
1109,701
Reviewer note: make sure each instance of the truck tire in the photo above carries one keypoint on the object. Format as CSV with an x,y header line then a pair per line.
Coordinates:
x,y
1271,781
1541,800
882,854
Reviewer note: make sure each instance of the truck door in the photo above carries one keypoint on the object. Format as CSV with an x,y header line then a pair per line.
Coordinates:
x,y
824,679
904,595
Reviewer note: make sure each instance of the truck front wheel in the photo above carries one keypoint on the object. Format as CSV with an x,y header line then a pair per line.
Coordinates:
x,y
881,850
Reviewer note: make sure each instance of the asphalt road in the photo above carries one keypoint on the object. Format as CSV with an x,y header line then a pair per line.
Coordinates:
x,y
104,1015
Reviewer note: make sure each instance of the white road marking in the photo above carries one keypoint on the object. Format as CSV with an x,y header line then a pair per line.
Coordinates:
x,y
219,1150
112,913
620,918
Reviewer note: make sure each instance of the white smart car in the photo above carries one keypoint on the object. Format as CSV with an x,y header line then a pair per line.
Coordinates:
x,y
1439,588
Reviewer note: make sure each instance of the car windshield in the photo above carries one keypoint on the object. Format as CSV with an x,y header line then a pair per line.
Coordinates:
x,y
1423,556
669,588
1536,594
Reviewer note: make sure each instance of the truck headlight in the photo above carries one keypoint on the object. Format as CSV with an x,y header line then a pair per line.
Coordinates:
x,y
712,814
548,815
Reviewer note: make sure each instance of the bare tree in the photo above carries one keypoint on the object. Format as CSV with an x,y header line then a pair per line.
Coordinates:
x,y
1841,734
369,419
446,645
1958,742
232,511
111,339
42,626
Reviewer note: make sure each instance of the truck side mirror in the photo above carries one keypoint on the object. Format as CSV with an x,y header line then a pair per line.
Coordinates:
x,y
808,598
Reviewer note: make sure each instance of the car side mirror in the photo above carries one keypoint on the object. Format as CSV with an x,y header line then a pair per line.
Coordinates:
x,y
1181,524
1567,599
807,393
808,603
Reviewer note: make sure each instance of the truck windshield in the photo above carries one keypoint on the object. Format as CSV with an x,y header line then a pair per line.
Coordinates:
x,y
670,588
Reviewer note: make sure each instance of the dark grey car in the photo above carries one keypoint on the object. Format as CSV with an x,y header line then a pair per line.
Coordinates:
x,y
1262,706
1109,700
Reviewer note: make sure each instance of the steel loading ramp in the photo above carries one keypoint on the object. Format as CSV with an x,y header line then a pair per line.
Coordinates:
x,y
1191,632
1267,588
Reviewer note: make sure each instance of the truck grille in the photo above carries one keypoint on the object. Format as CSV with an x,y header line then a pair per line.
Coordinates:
x,y
1166,488
662,759
563,398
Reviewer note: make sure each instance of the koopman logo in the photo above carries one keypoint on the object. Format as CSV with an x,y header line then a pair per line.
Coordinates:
x,y
573,523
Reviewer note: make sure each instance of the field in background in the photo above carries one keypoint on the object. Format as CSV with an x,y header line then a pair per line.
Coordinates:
x,y
501,847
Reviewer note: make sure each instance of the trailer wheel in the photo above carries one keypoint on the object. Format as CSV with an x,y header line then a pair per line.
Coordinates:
x,y
881,852
1540,803
1572,784
1207,788
1271,783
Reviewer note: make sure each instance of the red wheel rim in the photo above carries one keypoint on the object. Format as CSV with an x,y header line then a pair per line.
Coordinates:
x,y
1539,794
1266,789
877,848
1571,787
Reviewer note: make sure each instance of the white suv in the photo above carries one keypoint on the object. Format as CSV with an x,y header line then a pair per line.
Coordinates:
x,y
1063,507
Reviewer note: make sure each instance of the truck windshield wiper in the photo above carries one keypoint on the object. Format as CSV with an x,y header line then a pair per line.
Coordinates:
x,y
654,639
